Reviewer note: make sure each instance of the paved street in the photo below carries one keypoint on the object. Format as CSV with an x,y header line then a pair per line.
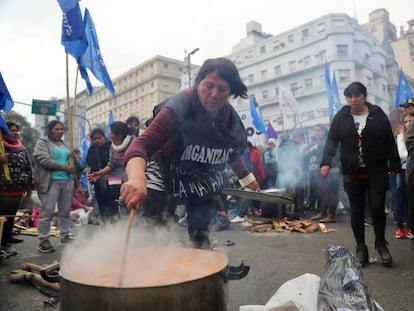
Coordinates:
x,y
274,258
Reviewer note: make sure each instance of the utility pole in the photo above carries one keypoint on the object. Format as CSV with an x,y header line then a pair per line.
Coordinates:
x,y
187,63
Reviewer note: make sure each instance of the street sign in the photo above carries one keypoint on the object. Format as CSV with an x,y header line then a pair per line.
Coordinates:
x,y
43,107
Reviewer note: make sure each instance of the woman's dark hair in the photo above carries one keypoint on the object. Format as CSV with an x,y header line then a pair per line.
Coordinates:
x,y
355,89
227,71
10,124
97,131
52,124
119,128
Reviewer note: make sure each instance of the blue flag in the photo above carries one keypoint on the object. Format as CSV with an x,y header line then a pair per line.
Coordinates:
x,y
271,133
73,34
257,121
110,121
403,91
4,126
92,57
67,5
335,95
332,92
85,76
84,146
6,102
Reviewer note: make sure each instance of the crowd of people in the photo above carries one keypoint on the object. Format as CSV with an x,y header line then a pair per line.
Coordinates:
x,y
183,156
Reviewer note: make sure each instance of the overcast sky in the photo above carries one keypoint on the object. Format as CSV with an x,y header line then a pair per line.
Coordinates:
x,y
32,59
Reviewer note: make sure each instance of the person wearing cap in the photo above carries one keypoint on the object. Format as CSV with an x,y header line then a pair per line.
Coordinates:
x,y
270,163
408,105
368,154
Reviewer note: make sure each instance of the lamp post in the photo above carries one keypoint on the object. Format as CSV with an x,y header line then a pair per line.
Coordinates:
x,y
187,63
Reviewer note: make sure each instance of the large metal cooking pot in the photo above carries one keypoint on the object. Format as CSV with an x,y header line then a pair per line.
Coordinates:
x,y
207,291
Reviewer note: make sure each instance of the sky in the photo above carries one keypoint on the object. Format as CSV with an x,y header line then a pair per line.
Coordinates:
x,y
33,61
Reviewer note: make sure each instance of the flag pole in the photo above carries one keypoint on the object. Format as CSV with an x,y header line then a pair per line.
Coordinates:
x,y
70,139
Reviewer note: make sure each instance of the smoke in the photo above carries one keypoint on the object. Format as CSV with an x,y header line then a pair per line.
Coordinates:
x,y
155,256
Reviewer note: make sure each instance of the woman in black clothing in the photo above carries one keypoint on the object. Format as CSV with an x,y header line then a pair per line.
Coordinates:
x,y
96,159
368,155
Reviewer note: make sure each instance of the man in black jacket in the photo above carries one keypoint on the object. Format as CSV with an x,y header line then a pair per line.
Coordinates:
x,y
368,155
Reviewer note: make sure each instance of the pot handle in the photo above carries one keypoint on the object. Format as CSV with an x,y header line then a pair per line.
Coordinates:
x,y
51,272
233,273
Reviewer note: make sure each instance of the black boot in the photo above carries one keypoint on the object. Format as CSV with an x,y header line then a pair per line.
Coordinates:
x,y
384,253
362,254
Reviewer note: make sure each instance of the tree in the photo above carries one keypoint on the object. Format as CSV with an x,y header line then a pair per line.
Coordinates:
x,y
28,135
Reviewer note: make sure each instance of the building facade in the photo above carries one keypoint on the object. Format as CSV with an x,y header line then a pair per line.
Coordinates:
x,y
296,59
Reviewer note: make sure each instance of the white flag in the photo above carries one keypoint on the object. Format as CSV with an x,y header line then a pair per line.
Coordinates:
x,y
287,102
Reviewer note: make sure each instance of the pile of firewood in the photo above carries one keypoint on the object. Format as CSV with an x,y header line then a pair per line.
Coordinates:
x,y
261,224
31,273
33,231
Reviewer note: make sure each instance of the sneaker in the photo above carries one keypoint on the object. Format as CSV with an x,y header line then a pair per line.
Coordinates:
x,y
409,234
237,219
362,254
65,240
46,247
258,211
384,254
16,241
399,234
318,217
327,220
8,250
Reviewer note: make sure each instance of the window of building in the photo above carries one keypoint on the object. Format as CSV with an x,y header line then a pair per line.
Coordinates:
x,y
342,50
344,76
152,84
369,81
291,38
384,89
338,22
292,65
308,84
320,27
264,74
263,49
278,70
306,61
276,45
265,94
320,56
165,85
305,33
366,58
251,78
165,65
294,87
277,92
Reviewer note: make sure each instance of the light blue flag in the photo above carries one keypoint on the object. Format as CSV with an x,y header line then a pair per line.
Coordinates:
x,y
73,34
108,127
403,91
85,76
84,146
335,95
257,121
67,5
6,102
92,57
329,92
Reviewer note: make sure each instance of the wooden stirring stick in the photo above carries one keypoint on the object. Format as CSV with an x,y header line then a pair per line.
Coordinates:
x,y
124,256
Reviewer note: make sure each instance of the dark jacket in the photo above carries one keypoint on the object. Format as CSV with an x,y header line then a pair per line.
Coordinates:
x,y
98,157
380,152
